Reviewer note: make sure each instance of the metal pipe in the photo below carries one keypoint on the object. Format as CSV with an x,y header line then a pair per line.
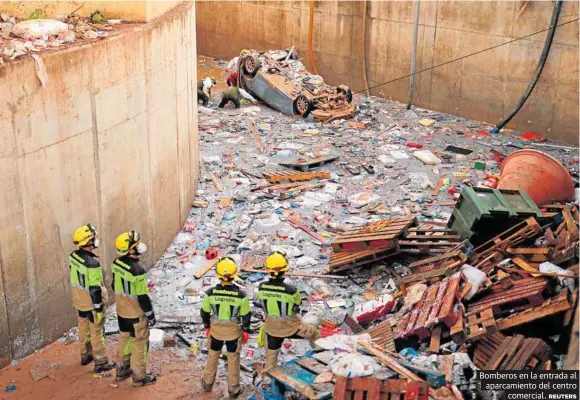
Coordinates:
x,y
414,55
539,68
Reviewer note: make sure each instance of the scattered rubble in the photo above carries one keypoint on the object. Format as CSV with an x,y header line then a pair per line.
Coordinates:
x,y
408,302
37,34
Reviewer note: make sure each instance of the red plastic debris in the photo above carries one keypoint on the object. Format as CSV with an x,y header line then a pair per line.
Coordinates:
x,y
211,253
533,136
414,145
325,332
483,133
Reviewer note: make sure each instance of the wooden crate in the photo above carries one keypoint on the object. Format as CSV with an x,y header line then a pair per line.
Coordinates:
x,y
376,389
375,235
348,260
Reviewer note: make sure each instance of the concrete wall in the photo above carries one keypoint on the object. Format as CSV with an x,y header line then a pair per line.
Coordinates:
x,y
483,87
128,10
112,140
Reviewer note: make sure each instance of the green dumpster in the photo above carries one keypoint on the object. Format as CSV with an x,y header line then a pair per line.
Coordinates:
x,y
481,213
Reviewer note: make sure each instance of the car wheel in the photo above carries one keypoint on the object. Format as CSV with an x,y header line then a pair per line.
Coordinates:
x,y
302,105
251,65
345,90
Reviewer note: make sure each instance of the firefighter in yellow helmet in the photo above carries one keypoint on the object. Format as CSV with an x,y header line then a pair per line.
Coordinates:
x,y
225,312
281,303
89,298
134,309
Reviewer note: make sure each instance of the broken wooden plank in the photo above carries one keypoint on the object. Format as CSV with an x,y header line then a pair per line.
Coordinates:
x,y
257,135
389,362
435,341
216,182
203,270
295,176
446,314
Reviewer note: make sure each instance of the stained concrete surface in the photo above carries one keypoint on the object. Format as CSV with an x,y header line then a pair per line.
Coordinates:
x,y
485,87
112,140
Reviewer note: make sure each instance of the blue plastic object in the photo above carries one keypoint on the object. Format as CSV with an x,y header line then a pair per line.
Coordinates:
x,y
409,353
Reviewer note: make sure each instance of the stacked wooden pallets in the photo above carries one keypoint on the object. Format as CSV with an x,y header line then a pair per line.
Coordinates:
x,y
374,242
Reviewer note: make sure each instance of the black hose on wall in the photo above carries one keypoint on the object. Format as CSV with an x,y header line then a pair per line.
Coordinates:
x,y
539,68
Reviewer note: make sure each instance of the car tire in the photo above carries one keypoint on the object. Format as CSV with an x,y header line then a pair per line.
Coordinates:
x,y
345,90
302,106
251,65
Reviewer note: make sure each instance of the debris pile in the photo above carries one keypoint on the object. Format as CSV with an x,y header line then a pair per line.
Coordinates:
x,y
278,78
27,37
366,211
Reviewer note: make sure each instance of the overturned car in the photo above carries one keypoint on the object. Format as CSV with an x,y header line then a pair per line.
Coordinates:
x,y
280,80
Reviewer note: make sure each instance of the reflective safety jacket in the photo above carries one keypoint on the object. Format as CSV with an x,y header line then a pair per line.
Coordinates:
x,y
226,309
130,288
281,303
86,278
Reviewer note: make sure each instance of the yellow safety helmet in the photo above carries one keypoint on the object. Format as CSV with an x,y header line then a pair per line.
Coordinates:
x,y
213,79
276,263
84,235
244,52
226,269
127,241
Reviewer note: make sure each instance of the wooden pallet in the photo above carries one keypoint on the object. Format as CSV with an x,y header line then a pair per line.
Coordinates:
x,y
375,235
437,262
485,348
494,248
552,306
433,274
481,323
382,335
377,389
305,165
522,294
348,260
437,305
498,352
429,240
281,176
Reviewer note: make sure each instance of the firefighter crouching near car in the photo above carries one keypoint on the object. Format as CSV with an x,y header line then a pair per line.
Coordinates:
x,y
89,298
134,310
281,303
225,312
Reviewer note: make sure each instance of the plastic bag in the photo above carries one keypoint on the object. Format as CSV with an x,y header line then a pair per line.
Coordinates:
x,y
346,343
352,365
39,28
475,277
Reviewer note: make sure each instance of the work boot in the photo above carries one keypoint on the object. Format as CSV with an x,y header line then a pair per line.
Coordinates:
x,y
148,380
104,367
123,372
235,395
205,387
86,359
